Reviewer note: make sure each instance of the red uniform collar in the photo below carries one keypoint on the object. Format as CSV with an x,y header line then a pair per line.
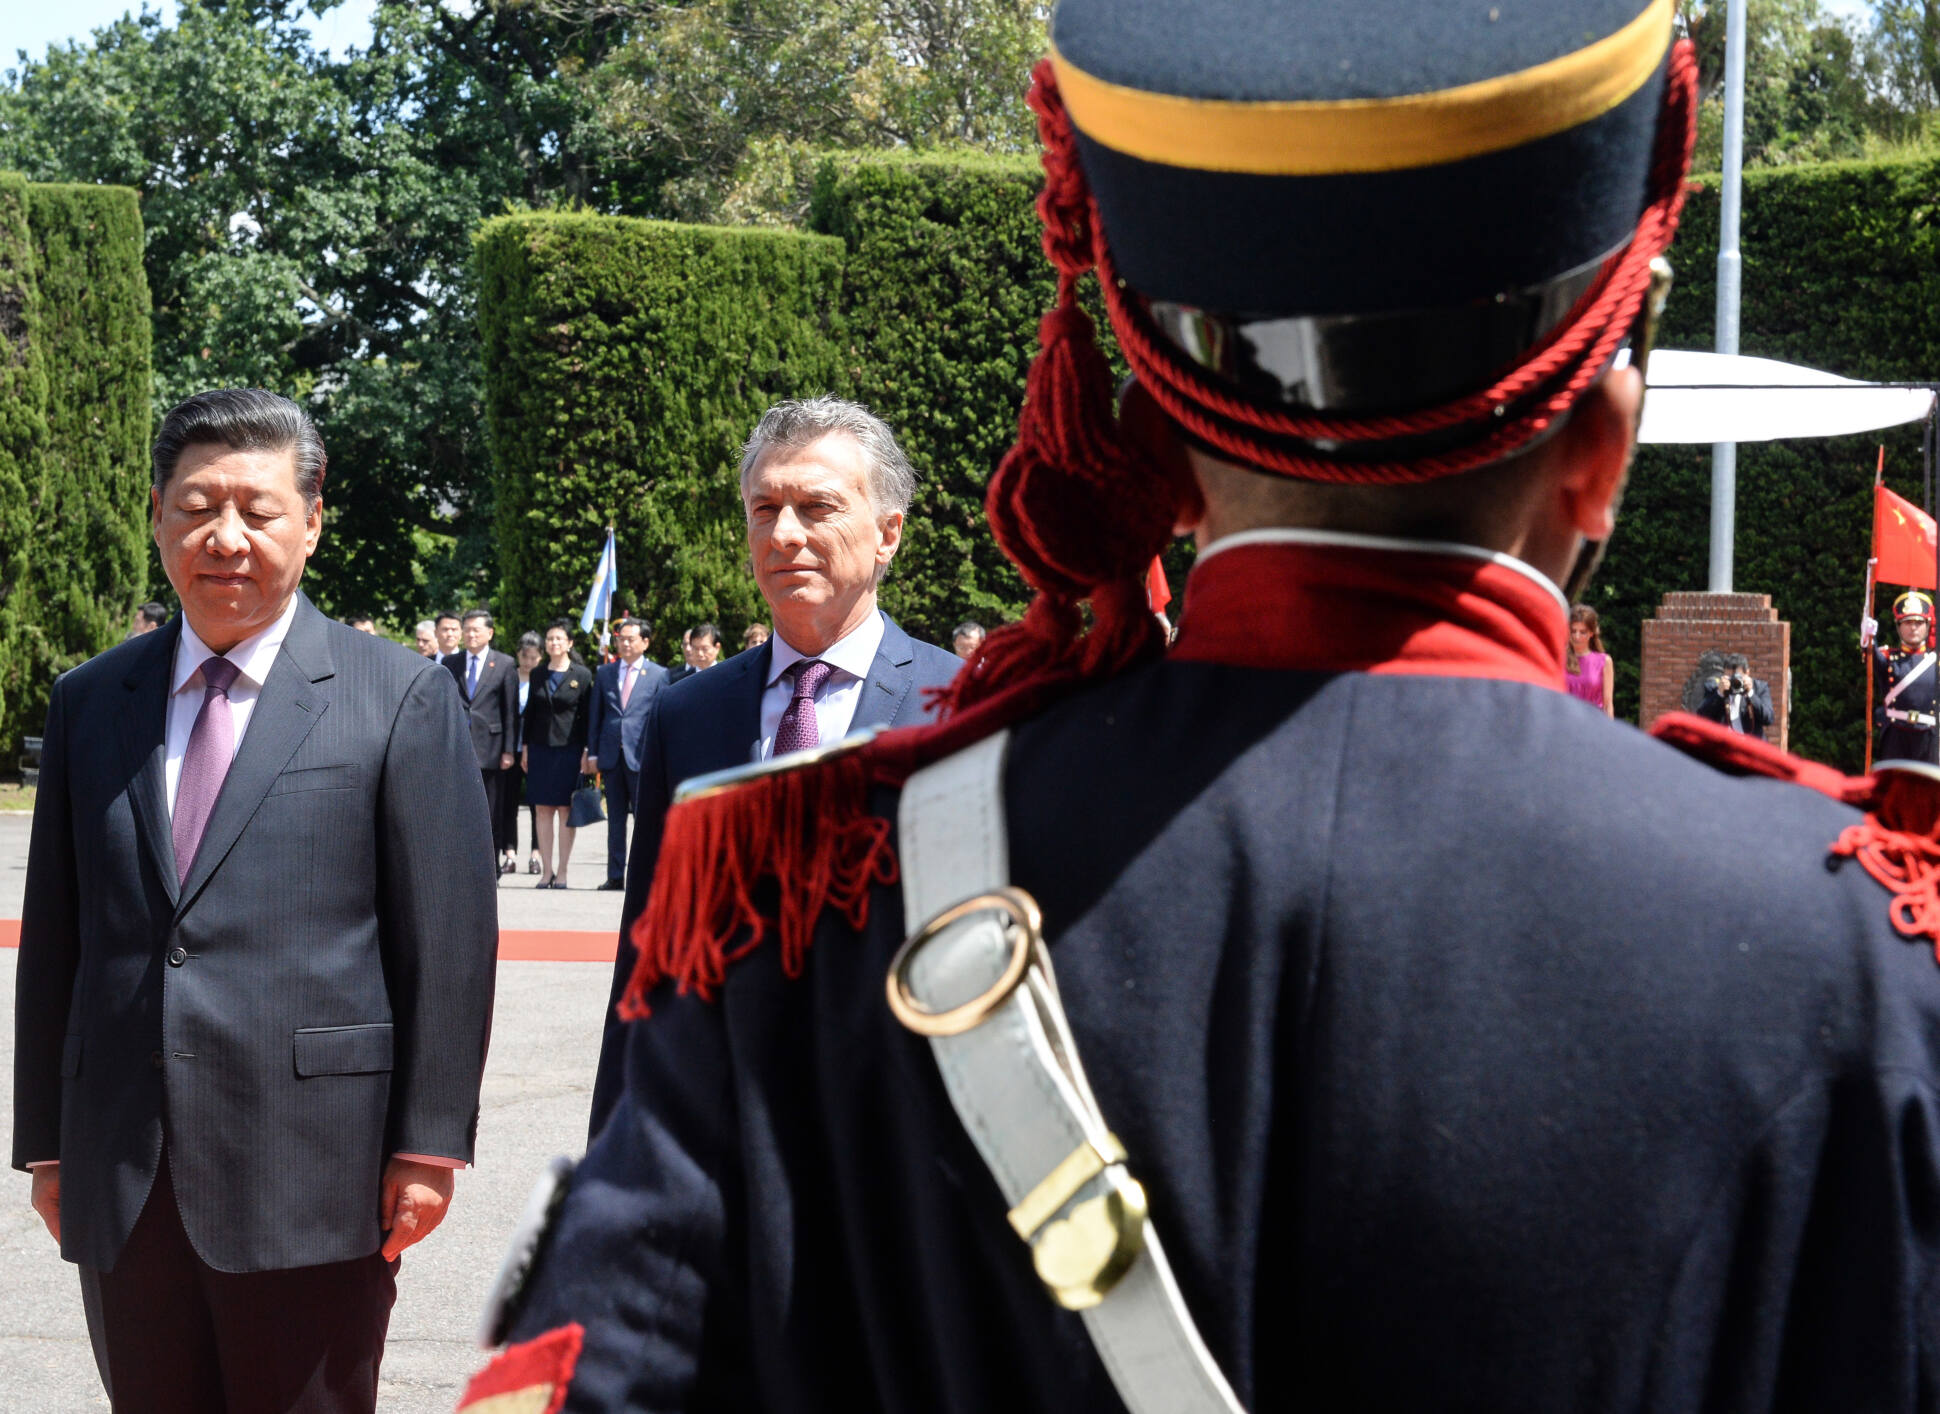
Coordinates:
x,y
1327,601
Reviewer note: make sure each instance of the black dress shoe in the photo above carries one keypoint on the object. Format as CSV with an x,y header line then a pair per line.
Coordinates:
x,y
611,885
544,884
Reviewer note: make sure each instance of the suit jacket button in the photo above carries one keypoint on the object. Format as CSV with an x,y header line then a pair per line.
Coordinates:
x,y
177,956
155,1059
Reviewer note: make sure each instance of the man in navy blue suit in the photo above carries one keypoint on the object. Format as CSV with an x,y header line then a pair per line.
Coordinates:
x,y
622,693
825,488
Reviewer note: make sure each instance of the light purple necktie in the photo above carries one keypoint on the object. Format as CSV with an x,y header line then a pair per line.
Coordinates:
x,y
212,745
798,730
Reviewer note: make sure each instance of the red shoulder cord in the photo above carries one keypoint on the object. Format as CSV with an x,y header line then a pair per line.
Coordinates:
x,y
1898,842
1082,510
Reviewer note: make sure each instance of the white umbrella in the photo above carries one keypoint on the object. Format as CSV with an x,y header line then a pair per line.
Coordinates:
x,y
1708,397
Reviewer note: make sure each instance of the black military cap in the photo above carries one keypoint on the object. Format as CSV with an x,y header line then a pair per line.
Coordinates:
x,y
1363,205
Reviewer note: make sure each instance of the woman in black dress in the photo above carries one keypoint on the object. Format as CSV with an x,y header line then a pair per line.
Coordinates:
x,y
555,743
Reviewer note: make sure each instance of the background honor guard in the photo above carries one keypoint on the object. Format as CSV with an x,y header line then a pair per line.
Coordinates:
x,y
1905,717
1409,1137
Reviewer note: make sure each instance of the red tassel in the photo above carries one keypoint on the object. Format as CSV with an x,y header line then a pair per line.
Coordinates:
x,y
807,832
1898,844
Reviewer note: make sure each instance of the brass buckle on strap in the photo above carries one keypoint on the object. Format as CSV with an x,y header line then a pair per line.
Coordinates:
x,y
1080,1258
1025,932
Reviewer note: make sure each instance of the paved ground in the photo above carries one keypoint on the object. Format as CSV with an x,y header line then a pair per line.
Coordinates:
x,y
545,1037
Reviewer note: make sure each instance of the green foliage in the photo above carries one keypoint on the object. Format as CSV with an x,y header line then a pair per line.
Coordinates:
x,y
729,99
941,296
23,432
625,363
309,221
90,542
1841,272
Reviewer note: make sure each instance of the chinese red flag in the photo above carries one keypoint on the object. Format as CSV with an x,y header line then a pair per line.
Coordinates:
x,y
1903,541
1158,593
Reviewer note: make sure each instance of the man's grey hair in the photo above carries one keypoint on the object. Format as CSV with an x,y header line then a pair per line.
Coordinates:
x,y
425,626
798,422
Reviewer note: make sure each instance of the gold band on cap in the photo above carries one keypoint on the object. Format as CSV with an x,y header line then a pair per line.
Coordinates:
x,y
1303,139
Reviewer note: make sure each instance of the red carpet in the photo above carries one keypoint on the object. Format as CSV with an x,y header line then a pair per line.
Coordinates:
x,y
513,945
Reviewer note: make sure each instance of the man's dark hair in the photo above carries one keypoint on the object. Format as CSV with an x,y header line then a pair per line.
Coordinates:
x,y
359,620
244,420
447,614
470,614
156,614
707,631
646,629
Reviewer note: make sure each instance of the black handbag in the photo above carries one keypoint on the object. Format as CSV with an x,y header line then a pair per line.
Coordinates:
x,y
588,807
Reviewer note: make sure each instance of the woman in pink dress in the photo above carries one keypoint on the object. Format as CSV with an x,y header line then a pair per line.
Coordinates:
x,y
1590,677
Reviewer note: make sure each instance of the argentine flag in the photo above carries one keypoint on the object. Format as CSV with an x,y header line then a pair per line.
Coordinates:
x,y
599,599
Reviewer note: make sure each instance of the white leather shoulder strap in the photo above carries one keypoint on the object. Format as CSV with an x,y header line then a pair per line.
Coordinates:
x,y
978,982
1920,670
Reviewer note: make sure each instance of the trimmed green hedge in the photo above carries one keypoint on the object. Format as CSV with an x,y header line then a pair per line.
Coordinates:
x,y
941,295
90,551
625,363
75,415
1841,272
23,440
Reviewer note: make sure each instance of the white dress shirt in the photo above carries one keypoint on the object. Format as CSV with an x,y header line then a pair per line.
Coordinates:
x,y
475,670
253,658
851,656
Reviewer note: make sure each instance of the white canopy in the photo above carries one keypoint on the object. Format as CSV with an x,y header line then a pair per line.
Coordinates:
x,y
1708,397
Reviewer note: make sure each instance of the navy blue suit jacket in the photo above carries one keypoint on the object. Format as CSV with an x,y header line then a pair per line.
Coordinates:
x,y
711,720
1491,1086
613,730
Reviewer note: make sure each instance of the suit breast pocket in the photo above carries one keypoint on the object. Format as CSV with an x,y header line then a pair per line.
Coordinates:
x,y
343,1050
338,777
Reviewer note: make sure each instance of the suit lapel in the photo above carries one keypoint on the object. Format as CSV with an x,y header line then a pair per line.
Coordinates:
x,y
748,739
144,747
888,682
287,709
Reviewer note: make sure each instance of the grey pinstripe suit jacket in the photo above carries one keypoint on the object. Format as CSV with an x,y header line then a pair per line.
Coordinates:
x,y
314,998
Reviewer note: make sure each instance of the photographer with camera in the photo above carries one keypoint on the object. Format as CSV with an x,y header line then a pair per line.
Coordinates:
x,y
1737,699
1905,717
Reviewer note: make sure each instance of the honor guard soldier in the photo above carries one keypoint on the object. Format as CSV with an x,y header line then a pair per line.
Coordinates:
x,y
1214,1030
1905,717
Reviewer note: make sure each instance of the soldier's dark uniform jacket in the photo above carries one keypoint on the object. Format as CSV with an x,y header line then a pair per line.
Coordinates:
x,y
1910,737
1373,1035
1469,1056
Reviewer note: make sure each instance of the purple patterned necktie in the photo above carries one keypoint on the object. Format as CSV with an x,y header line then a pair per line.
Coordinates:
x,y
212,745
798,730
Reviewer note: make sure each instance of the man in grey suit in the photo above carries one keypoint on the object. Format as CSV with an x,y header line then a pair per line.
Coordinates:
x,y
257,953
623,692
825,489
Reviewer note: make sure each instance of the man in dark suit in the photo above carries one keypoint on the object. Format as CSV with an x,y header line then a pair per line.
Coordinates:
x,y
255,969
623,691
489,681
825,488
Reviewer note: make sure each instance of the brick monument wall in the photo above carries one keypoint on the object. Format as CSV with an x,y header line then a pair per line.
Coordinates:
x,y
1688,623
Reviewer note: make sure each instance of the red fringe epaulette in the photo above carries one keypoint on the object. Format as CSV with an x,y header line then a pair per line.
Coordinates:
x,y
540,1369
1897,844
771,853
